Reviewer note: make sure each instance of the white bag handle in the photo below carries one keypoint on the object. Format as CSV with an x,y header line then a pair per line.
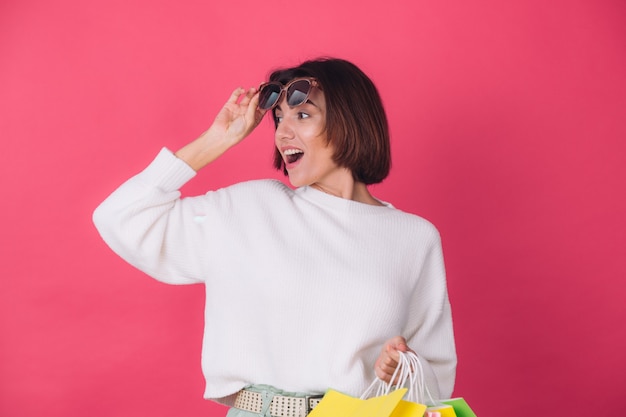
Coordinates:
x,y
408,374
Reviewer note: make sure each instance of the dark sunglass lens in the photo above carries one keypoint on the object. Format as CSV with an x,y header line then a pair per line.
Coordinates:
x,y
298,92
268,96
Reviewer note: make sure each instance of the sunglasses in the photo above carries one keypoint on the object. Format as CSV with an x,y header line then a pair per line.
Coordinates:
x,y
296,90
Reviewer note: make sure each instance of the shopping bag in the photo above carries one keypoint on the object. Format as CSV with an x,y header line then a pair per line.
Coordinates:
x,y
383,399
453,407
411,375
461,407
443,410
379,400
337,404
408,374
408,409
405,379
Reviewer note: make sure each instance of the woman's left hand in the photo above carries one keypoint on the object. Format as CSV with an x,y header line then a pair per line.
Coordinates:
x,y
388,359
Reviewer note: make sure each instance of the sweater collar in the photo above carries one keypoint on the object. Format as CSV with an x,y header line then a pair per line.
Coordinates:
x,y
340,204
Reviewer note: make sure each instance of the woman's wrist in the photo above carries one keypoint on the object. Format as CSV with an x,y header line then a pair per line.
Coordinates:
x,y
204,150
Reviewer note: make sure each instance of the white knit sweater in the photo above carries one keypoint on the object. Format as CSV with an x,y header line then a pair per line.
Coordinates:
x,y
302,288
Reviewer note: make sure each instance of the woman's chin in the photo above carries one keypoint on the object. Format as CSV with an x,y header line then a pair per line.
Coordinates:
x,y
296,181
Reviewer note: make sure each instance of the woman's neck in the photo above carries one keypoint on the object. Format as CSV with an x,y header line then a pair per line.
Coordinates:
x,y
357,191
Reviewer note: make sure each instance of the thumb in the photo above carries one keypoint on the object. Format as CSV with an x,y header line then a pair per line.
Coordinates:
x,y
398,343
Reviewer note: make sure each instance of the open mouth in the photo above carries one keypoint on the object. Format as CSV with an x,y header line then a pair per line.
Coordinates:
x,y
293,155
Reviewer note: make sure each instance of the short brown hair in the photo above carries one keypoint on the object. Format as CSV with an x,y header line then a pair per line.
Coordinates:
x,y
356,123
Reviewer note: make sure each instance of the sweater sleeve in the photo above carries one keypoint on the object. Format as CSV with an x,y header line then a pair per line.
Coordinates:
x,y
430,323
142,221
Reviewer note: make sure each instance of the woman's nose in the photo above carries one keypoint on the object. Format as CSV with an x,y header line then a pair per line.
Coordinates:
x,y
284,130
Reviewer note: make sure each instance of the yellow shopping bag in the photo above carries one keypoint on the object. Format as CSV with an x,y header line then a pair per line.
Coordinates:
x,y
336,404
408,409
379,400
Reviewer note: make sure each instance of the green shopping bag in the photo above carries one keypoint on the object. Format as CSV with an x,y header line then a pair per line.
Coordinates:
x,y
461,407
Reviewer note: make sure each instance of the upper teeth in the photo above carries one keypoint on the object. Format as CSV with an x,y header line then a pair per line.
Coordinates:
x,y
292,151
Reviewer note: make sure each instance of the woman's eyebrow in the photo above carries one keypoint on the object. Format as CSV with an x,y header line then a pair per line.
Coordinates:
x,y
309,101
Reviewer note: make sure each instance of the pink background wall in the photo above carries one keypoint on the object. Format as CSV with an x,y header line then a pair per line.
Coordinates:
x,y
509,130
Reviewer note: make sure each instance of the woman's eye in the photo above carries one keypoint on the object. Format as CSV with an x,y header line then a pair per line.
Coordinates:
x,y
278,119
302,115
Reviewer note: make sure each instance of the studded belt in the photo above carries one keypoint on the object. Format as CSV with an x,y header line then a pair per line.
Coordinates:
x,y
281,406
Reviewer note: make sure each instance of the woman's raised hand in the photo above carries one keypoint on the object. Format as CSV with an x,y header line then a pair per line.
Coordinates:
x,y
239,116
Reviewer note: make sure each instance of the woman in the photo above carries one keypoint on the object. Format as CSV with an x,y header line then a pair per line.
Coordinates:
x,y
309,288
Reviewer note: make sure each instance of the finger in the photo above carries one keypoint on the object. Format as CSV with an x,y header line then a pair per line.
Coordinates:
x,y
397,342
253,109
385,371
389,363
382,375
245,101
386,363
234,97
397,345
381,368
